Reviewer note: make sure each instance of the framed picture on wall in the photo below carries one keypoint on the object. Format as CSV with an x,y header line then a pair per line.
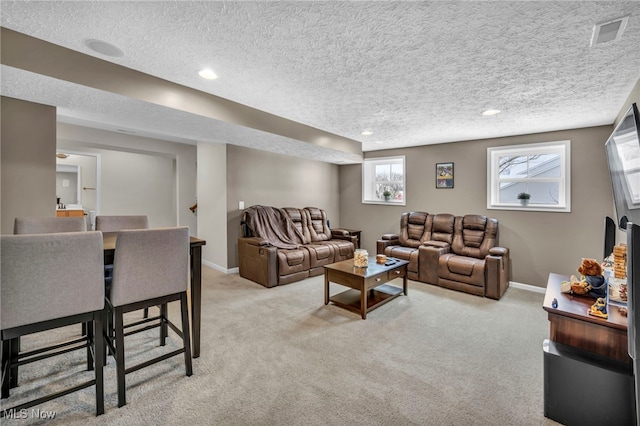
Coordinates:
x,y
444,175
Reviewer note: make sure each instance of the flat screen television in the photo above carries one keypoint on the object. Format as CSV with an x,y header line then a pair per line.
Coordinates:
x,y
623,156
633,304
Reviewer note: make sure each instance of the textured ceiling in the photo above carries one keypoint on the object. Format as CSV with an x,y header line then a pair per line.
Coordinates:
x,y
414,73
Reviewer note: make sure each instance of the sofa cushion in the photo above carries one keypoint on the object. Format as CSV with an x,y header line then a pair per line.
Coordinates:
x,y
342,249
320,254
292,261
464,269
405,253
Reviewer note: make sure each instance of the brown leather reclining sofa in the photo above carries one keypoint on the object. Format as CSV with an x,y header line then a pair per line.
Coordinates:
x,y
457,252
283,245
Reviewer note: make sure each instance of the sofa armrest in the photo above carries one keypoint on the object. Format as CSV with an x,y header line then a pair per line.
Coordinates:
x,y
428,257
338,232
437,244
256,241
386,241
499,251
496,272
341,234
258,261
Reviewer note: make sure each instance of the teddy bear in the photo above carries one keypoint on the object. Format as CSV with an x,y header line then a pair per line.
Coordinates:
x,y
590,267
591,272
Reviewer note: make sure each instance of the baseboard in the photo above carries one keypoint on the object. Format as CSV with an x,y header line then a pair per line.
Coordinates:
x,y
220,268
527,287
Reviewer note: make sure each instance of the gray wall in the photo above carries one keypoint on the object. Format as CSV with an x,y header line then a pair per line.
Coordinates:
x,y
68,194
540,242
138,184
212,206
258,177
28,160
139,175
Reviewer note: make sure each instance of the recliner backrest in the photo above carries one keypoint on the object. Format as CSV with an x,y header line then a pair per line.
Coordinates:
x,y
299,219
317,224
415,228
443,227
474,235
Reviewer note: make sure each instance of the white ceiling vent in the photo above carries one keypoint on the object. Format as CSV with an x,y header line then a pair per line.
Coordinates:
x,y
609,31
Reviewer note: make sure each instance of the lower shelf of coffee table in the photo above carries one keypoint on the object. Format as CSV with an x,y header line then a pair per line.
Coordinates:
x,y
378,296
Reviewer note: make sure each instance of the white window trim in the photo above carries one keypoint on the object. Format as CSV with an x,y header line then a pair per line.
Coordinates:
x,y
563,148
371,179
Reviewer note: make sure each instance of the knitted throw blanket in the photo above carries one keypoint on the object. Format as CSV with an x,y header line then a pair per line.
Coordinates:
x,y
273,224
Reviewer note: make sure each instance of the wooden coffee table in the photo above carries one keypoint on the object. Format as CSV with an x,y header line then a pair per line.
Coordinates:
x,y
367,285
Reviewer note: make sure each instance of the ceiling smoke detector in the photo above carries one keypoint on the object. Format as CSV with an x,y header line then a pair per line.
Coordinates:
x,y
609,31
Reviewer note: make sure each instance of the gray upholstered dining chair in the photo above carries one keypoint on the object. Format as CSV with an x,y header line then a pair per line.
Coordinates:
x,y
118,223
50,281
46,225
150,268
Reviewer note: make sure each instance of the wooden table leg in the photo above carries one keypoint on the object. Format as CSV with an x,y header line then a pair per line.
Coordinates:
x,y
363,301
326,287
404,284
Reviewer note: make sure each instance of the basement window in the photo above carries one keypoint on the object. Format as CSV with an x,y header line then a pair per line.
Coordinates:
x,y
383,181
541,170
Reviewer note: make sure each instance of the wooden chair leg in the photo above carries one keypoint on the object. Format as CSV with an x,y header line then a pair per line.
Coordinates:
x,y
119,355
186,336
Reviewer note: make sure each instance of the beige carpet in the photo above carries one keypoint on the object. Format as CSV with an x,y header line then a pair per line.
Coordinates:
x,y
279,356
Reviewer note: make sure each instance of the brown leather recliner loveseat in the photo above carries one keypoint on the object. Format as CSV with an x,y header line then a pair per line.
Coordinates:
x,y
457,252
283,245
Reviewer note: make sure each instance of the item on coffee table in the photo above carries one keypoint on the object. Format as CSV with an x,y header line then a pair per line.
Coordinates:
x,y
360,258
381,258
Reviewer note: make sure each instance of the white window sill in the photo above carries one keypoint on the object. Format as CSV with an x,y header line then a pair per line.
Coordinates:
x,y
385,203
531,208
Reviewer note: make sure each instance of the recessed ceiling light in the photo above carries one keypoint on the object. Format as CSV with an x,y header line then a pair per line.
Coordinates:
x,y
366,133
208,74
491,112
104,48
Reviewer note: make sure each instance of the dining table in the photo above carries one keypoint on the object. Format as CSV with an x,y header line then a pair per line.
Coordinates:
x,y
195,289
